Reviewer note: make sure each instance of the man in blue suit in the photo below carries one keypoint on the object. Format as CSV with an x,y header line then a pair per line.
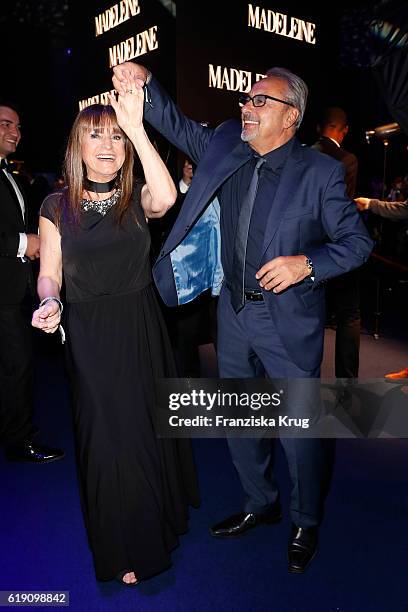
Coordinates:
x,y
286,226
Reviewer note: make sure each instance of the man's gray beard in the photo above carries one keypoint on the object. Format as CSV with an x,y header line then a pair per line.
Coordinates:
x,y
248,137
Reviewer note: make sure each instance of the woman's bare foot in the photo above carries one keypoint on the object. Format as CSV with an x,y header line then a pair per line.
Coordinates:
x,y
127,578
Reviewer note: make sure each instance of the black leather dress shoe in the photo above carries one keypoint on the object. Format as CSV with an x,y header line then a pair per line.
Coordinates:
x,y
302,548
33,453
238,524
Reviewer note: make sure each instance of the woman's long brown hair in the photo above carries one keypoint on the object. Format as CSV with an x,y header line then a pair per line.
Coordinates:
x,y
96,116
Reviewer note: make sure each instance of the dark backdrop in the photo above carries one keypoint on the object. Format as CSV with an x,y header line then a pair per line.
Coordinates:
x,y
51,59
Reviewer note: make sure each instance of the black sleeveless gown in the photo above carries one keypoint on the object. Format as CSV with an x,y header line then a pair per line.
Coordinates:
x,y
135,488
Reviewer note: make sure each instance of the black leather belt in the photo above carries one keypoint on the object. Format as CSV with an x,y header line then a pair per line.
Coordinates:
x,y
253,295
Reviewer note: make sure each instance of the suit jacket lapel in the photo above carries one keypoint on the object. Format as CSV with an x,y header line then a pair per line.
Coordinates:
x,y
13,196
288,184
201,193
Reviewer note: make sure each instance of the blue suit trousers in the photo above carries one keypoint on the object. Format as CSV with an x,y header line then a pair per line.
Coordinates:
x,y
249,346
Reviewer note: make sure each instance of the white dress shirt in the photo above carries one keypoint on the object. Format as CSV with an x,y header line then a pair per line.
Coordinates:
x,y
183,186
22,246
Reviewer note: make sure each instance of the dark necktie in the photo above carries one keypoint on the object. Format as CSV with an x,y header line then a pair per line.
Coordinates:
x,y
241,239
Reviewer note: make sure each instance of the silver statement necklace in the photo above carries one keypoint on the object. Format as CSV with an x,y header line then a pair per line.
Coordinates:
x,y
101,206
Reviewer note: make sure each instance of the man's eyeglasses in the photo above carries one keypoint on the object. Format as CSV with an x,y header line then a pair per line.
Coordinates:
x,y
260,100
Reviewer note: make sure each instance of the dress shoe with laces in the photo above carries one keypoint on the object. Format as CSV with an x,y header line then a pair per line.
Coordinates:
x,y
238,524
33,453
302,548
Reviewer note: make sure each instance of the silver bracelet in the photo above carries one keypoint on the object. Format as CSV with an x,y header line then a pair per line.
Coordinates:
x,y
52,298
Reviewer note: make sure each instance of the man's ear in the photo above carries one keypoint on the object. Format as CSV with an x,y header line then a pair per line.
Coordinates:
x,y
291,117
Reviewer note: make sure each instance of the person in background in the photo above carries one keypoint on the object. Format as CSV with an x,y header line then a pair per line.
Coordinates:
x,y
395,211
37,190
186,178
389,210
343,292
396,190
191,324
19,246
390,69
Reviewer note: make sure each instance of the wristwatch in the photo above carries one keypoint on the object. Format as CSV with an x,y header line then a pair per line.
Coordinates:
x,y
309,266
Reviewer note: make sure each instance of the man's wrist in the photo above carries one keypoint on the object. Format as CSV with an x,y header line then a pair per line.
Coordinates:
x,y
309,267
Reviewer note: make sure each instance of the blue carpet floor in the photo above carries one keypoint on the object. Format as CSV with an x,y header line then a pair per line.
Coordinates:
x,y
361,566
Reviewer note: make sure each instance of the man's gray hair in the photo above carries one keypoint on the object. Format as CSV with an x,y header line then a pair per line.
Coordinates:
x,y
297,90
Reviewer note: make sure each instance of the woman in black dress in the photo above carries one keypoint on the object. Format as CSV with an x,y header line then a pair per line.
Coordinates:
x,y
135,488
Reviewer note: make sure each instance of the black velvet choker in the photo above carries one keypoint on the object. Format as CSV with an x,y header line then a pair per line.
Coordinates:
x,y
99,187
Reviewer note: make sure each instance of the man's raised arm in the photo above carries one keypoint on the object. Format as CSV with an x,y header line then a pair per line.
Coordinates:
x,y
163,114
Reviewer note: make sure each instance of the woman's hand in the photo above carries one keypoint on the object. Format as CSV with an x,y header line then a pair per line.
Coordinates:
x,y
129,105
47,317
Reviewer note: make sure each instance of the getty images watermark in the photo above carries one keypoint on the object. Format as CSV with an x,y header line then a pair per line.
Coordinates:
x,y
262,407
209,401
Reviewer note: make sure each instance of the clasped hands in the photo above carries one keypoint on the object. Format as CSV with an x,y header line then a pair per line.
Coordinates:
x,y
128,71
281,272
129,105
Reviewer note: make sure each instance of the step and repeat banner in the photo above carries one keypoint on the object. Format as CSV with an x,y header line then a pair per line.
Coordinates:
x,y
225,48
204,53
110,33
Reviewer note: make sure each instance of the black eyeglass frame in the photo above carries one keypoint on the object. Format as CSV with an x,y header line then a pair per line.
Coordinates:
x,y
245,98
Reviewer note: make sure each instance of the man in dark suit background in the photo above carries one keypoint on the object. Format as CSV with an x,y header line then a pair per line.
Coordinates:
x,y
302,230
17,248
343,294
333,128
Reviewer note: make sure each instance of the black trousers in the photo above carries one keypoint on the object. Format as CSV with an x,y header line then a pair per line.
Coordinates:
x,y
343,301
16,373
191,325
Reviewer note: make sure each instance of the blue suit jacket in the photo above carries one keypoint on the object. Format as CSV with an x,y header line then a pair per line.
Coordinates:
x,y
311,214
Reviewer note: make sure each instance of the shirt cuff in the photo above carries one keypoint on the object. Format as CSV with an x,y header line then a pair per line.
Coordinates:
x,y
183,187
22,246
